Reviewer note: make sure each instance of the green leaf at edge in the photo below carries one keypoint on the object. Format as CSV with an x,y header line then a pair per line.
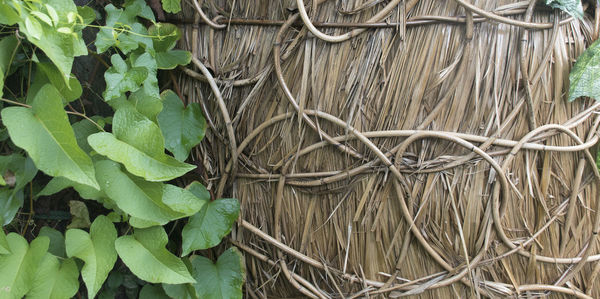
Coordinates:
x,y
96,249
45,133
220,280
145,255
584,76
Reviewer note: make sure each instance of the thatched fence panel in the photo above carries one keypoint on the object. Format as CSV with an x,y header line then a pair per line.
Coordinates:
x,y
433,154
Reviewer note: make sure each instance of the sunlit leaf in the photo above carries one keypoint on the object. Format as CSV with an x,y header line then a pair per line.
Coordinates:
x,y
55,280
151,203
17,269
96,249
45,133
145,255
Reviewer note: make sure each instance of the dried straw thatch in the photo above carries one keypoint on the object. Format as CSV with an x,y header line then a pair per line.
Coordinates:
x,y
430,152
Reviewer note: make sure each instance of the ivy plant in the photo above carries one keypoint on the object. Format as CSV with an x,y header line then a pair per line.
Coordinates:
x,y
125,165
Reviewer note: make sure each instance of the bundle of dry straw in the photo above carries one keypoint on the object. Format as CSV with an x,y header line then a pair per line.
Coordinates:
x,y
399,147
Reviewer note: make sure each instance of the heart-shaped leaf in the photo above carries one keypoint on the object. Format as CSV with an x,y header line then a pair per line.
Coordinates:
x,y
150,203
138,144
17,269
206,228
170,59
584,76
145,254
152,168
172,6
148,105
55,280
221,280
182,127
118,19
121,78
45,133
164,36
96,249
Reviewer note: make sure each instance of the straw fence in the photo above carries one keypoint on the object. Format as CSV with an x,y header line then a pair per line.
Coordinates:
x,y
400,147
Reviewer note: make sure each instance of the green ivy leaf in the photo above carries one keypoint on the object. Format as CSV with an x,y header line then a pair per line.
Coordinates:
x,y
137,130
18,268
33,28
206,228
182,127
45,133
10,203
122,28
148,105
8,15
164,35
139,8
572,7
55,280
156,203
87,14
221,280
96,249
85,128
69,92
8,46
57,241
171,59
4,248
585,73
121,78
180,291
152,292
147,61
172,6
59,47
145,254
155,169
139,145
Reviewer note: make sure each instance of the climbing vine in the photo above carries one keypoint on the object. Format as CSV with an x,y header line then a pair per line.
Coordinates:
x,y
123,159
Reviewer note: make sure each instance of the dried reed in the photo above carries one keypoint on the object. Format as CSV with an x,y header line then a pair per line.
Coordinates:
x,y
404,148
